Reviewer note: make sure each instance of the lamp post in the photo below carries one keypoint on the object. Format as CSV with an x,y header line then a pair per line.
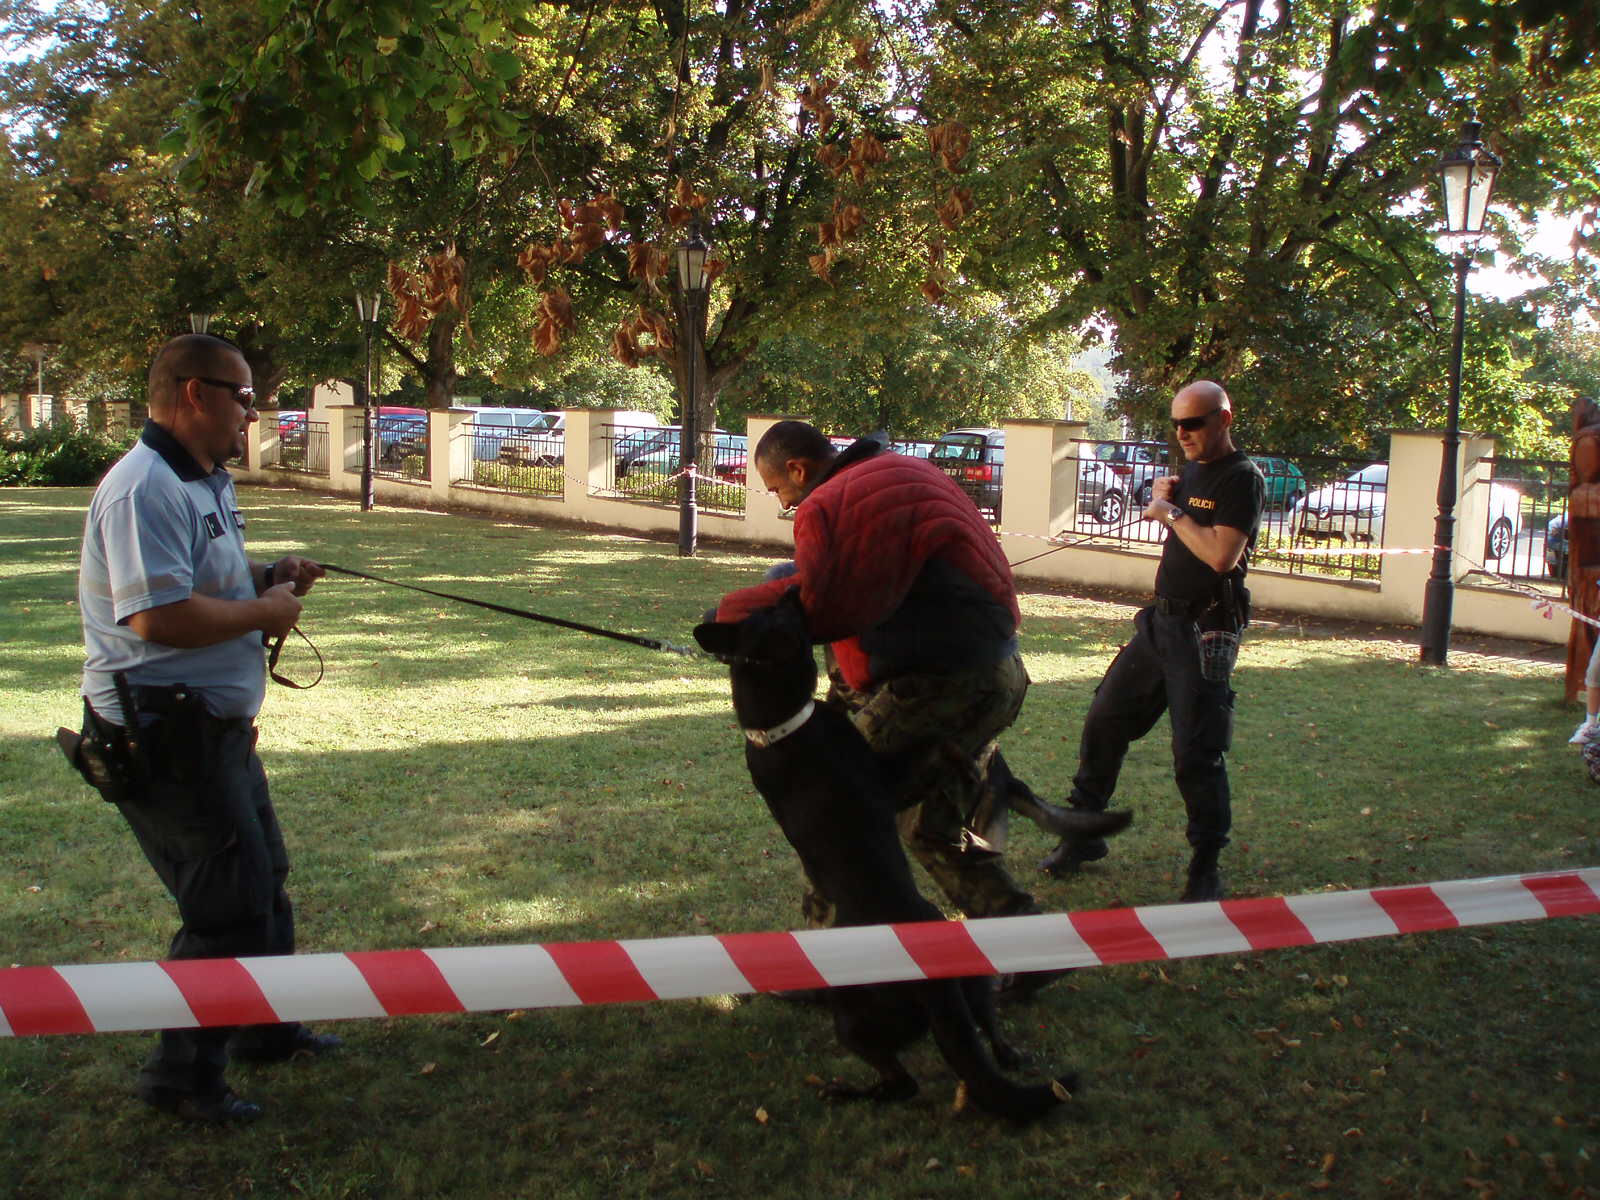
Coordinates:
x,y
1467,175
691,259
37,351
199,322
367,314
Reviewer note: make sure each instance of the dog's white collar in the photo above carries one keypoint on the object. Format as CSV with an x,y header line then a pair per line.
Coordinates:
x,y
770,737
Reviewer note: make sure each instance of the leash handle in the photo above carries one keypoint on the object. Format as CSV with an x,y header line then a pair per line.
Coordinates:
x,y
275,648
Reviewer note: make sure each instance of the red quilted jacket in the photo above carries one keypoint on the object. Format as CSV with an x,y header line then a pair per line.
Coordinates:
x,y
897,568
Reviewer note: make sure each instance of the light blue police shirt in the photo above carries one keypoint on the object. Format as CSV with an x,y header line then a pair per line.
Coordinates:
x,y
160,530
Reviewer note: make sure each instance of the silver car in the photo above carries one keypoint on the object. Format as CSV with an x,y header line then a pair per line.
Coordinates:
x,y
1118,477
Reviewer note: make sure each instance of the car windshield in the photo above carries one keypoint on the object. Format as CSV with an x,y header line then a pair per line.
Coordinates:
x,y
1377,475
543,421
962,447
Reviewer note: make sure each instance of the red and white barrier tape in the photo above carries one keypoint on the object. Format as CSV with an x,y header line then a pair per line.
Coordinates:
x,y
111,997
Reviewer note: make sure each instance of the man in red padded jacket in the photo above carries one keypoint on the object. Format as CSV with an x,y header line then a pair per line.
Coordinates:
x,y
899,572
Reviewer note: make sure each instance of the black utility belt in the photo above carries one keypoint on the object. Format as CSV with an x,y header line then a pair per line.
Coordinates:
x,y
168,733
1172,606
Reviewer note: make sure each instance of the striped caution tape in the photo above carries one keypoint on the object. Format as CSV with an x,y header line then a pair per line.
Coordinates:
x,y
111,997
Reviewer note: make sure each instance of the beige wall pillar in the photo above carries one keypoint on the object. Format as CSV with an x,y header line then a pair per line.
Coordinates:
x,y
1412,504
1041,475
763,514
119,415
11,411
1474,507
344,446
256,437
584,458
449,450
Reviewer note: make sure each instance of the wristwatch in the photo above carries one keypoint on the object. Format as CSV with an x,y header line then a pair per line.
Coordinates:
x,y
1171,516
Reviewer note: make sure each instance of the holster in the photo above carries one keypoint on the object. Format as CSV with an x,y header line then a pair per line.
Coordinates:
x,y
102,754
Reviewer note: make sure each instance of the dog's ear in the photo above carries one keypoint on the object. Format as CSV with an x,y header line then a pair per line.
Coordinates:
x,y
717,637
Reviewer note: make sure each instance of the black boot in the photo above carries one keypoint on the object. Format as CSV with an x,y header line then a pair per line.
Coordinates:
x,y
1205,881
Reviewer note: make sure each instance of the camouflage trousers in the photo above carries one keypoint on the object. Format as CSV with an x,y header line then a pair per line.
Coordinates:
x,y
936,733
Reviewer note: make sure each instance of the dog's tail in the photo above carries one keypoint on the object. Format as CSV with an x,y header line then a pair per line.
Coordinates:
x,y
958,1040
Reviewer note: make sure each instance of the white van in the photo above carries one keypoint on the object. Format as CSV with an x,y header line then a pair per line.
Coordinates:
x,y
544,444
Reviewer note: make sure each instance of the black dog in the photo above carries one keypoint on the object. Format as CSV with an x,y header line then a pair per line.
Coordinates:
x,y
829,793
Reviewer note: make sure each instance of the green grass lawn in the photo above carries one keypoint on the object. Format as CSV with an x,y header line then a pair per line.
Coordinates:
x,y
461,778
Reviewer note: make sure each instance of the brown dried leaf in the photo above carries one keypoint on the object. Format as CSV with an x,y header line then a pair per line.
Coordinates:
x,y
949,143
832,159
960,1103
491,1039
847,218
863,53
932,290
1328,1160
828,234
762,1118
556,306
714,269
822,266
428,1068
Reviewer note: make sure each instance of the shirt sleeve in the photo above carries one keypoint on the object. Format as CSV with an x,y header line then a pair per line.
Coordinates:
x,y
1241,499
148,554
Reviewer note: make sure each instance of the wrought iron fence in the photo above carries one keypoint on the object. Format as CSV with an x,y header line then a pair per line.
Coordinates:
x,y
302,446
401,446
1114,482
526,461
1527,519
643,462
1322,501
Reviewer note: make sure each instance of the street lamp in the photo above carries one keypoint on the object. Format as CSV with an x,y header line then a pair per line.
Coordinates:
x,y
199,322
692,283
37,351
1467,175
367,314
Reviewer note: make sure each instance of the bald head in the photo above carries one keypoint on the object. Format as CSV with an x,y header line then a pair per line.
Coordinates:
x,y
1204,391
191,356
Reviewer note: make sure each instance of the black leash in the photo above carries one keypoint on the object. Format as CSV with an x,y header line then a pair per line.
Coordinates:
x,y
560,622
1088,537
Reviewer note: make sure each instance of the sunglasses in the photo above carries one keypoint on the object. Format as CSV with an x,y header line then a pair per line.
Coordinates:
x,y
243,393
1190,424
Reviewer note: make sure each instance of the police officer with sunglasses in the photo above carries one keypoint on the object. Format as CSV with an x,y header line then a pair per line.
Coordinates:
x,y
174,614
1181,653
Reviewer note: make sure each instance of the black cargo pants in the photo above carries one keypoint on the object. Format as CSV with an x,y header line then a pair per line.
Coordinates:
x,y
1159,671
203,816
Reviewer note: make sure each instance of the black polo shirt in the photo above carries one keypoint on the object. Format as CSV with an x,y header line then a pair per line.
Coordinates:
x,y
1226,491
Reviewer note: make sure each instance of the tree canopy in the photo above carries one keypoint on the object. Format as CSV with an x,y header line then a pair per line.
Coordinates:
x,y
916,206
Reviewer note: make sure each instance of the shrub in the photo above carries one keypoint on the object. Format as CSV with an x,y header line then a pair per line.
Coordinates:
x,y
63,454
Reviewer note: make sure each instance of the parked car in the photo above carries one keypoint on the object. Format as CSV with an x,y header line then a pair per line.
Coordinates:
x,y
291,427
1286,483
544,444
398,431
491,428
1352,509
1555,547
1119,475
976,459
660,449
912,449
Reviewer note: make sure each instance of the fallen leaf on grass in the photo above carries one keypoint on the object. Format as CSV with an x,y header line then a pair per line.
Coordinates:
x,y
1328,1160
490,1039
933,1164
704,1168
428,927
762,1116
960,1102
969,1172
814,1080
428,1068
